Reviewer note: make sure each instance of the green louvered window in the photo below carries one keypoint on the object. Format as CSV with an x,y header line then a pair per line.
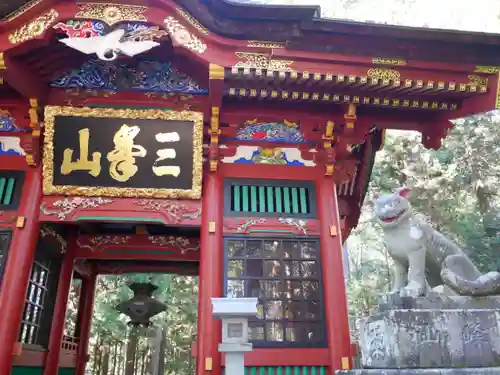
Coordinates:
x,y
10,189
269,198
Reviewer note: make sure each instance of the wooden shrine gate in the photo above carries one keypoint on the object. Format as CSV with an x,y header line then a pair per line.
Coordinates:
x,y
245,158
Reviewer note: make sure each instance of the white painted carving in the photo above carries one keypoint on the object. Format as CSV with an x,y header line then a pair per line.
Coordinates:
x,y
109,47
247,153
244,152
293,154
12,143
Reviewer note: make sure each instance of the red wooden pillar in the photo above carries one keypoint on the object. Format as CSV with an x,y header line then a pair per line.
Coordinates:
x,y
20,258
87,302
208,358
335,299
59,315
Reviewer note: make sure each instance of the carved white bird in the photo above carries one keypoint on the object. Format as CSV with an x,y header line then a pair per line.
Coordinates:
x,y
109,47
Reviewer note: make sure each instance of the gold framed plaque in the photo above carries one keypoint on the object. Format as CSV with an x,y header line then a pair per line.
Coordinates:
x,y
123,152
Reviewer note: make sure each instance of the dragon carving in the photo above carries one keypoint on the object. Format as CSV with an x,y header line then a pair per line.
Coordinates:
x,y
425,258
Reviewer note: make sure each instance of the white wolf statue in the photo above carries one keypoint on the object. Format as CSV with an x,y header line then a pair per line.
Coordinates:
x,y
425,258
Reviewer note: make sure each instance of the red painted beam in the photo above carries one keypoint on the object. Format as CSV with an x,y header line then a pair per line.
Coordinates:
x,y
269,357
165,248
88,292
55,209
51,366
208,361
17,270
335,300
286,54
269,172
19,76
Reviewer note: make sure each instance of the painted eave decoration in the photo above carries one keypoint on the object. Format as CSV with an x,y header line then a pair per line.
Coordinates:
x,y
271,156
129,75
108,43
8,123
92,28
276,132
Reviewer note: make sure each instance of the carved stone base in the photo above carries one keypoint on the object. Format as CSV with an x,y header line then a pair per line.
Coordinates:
x,y
436,301
439,338
433,371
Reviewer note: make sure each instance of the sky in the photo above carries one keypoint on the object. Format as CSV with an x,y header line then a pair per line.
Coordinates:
x,y
467,15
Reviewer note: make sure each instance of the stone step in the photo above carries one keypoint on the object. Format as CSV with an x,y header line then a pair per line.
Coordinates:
x,y
427,371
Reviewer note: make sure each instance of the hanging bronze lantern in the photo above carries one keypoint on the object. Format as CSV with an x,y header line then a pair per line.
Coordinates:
x,y
142,307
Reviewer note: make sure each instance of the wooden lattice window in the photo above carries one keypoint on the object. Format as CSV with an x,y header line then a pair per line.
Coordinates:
x,y
34,304
11,183
285,276
269,198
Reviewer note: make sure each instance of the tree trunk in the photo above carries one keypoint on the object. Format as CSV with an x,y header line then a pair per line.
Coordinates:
x,y
131,352
96,368
115,358
105,360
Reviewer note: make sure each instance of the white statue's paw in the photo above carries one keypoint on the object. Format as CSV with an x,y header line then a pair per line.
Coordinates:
x,y
448,277
412,290
394,292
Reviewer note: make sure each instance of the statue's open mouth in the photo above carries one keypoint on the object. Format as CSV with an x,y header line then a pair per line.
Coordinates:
x,y
392,218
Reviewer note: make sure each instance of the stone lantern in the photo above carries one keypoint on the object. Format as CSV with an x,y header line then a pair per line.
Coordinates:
x,y
234,313
142,306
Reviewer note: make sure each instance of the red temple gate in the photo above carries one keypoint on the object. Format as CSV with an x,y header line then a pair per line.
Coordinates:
x,y
284,113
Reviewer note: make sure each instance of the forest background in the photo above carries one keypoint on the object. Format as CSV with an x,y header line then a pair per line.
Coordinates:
x,y
455,187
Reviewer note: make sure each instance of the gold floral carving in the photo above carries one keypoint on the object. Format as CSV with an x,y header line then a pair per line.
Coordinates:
x,y
46,231
146,114
263,44
388,61
99,241
492,70
111,13
252,60
182,243
487,69
281,65
193,21
384,74
29,5
7,219
477,80
34,28
176,211
2,62
183,37
66,206
299,224
262,61
497,104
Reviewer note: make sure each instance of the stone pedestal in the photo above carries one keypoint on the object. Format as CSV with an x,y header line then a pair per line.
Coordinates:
x,y
431,338
433,371
432,335
435,301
